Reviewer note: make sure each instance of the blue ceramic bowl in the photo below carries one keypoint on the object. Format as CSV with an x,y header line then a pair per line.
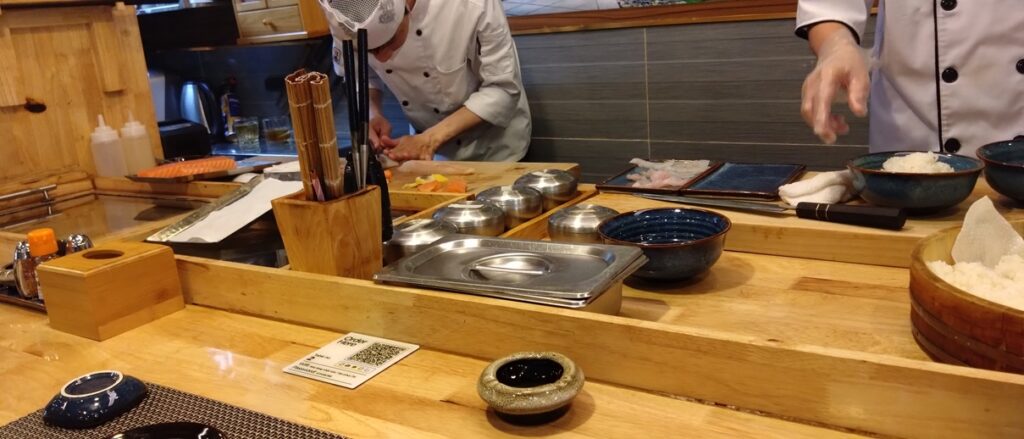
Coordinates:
x,y
94,399
679,243
1004,167
918,193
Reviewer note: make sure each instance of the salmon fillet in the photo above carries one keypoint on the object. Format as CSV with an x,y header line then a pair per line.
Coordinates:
x,y
190,167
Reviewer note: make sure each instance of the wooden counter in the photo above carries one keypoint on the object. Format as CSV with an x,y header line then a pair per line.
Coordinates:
x,y
238,360
787,235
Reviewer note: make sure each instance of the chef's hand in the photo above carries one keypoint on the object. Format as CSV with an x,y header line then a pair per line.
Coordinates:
x,y
380,133
417,147
841,65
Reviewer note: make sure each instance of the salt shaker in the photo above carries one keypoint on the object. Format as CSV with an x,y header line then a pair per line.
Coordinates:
x,y
25,271
76,243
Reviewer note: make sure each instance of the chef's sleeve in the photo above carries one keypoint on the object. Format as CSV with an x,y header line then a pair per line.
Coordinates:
x,y
853,13
498,96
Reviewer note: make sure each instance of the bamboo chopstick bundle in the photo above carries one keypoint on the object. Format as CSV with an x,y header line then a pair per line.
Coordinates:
x,y
327,136
304,127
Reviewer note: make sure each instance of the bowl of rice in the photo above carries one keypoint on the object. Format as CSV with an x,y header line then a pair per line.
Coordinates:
x,y
920,182
967,313
1004,167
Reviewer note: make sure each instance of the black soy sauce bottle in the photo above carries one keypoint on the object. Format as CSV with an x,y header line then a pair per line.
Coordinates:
x,y
375,176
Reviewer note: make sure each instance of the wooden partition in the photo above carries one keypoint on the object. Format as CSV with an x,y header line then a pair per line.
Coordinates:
x,y
60,67
861,391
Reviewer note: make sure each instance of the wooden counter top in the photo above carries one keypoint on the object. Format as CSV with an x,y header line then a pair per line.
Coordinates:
x,y
238,360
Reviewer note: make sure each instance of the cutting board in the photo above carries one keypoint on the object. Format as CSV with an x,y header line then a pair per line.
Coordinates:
x,y
488,174
787,235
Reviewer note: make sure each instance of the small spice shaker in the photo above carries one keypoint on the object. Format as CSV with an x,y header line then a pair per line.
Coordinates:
x,y
42,245
25,271
76,243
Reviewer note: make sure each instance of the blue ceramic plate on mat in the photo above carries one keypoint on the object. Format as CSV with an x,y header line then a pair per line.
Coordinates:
x,y
621,182
746,180
94,399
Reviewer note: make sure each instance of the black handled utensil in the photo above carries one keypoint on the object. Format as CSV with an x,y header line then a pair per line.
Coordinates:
x,y
866,216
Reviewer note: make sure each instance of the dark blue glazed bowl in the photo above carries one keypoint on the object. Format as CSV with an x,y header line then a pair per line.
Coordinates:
x,y
1004,167
679,243
94,399
918,193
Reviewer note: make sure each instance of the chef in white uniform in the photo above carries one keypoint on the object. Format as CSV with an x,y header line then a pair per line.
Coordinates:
x,y
452,65
950,74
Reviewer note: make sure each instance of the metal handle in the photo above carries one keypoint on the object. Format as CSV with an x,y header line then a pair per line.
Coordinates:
x,y
20,194
507,270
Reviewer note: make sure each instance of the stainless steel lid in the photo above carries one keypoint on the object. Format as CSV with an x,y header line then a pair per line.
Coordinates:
x,y
507,196
549,181
21,252
76,243
470,213
581,218
422,231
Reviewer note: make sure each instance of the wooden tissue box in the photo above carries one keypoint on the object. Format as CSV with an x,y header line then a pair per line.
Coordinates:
x,y
110,289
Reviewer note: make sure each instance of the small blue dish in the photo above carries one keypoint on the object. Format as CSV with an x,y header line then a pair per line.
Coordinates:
x,y
1004,167
918,193
94,399
679,243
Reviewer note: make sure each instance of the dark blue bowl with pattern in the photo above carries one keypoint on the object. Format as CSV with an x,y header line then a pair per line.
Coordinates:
x,y
918,193
94,399
679,243
1004,167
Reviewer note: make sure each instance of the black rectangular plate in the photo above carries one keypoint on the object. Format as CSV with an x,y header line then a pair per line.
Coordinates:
x,y
619,183
745,180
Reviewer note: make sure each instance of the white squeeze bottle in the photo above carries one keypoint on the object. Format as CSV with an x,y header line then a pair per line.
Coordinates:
x,y
107,151
137,153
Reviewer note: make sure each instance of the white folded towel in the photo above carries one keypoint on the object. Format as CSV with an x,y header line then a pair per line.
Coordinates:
x,y
826,187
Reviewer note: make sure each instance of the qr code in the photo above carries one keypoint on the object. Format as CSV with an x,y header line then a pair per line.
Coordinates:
x,y
377,354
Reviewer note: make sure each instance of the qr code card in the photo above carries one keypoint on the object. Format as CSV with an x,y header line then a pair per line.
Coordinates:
x,y
351,360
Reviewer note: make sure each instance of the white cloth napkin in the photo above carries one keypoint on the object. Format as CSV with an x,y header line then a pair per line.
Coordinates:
x,y
826,187
222,223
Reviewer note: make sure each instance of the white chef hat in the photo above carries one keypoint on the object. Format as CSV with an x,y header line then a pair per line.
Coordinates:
x,y
380,18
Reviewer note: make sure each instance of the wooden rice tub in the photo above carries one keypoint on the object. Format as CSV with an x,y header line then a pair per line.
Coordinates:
x,y
955,327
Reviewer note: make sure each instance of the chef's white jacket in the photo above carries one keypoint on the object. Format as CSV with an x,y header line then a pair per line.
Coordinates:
x,y
459,53
949,73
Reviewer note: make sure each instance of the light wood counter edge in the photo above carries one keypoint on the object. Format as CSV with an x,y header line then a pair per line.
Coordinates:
x,y
860,391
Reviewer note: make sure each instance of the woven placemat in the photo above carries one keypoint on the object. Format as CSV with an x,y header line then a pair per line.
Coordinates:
x,y
165,404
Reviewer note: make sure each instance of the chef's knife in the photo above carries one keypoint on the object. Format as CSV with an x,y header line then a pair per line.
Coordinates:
x,y
867,216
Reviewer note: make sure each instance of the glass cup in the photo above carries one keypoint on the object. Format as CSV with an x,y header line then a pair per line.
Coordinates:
x,y
277,130
247,131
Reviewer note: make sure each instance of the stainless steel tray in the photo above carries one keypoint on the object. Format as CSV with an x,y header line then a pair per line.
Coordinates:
x,y
560,274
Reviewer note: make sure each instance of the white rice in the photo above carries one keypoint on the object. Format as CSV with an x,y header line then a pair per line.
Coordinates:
x,y
1004,284
918,163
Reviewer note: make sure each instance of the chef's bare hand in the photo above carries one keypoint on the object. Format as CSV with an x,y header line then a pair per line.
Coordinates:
x,y
841,65
417,147
380,133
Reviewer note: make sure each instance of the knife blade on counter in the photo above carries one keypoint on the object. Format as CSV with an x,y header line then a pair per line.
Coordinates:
x,y
867,216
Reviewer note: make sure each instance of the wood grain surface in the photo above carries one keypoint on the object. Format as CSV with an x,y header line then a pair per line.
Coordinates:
x,y
787,235
489,174
873,392
238,360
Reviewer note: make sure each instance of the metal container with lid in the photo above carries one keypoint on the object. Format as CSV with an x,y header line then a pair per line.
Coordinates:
x,y
579,223
557,186
415,235
520,203
77,242
474,217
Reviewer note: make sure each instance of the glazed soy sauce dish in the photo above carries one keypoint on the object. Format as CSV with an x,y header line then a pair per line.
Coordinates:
x,y
530,388
680,243
920,193
1004,167
94,399
171,430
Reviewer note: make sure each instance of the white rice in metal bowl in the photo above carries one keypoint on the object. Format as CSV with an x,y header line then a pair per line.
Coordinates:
x,y
917,163
1003,284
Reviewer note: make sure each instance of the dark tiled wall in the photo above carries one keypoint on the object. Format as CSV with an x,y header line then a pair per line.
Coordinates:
x,y
728,91
724,91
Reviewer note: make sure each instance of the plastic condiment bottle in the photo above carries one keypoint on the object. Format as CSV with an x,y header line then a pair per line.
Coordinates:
x,y
42,246
107,152
137,152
